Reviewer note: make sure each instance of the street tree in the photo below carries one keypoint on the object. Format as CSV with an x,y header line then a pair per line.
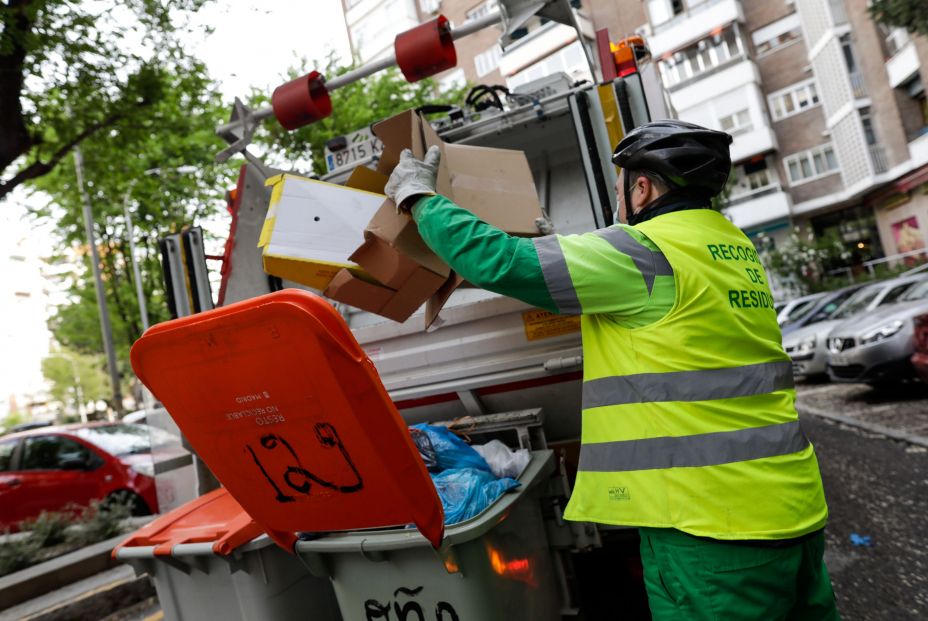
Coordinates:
x,y
142,160
75,379
908,14
72,70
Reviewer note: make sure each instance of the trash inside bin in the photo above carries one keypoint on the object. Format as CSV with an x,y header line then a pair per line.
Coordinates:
x,y
210,560
284,406
493,567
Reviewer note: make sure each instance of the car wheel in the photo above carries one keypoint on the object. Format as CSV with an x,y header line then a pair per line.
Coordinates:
x,y
137,505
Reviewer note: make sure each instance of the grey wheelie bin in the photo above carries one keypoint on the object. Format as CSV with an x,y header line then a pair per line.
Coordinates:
x,y
210,560
493,567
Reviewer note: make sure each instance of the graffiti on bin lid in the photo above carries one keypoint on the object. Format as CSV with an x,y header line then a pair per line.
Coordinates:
x,y
280,401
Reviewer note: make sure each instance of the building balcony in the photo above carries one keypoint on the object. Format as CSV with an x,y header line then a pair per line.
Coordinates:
x,y
857,85
693,25
758,140
918,149
903,65
758,207
878,159
702,88
540,43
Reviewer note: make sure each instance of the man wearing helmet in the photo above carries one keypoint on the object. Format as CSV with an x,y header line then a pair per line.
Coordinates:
x,y
689,428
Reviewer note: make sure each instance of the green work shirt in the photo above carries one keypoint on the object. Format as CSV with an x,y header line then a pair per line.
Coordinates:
x,y
621,284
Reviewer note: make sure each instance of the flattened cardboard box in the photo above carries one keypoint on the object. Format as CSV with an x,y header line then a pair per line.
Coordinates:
x,y
495,184
312,228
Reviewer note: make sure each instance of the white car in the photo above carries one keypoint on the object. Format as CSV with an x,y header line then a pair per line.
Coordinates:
x,y
807,347
796,307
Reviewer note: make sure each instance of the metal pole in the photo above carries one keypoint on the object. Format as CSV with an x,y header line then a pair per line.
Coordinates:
x,y
105,327
130,233
371,68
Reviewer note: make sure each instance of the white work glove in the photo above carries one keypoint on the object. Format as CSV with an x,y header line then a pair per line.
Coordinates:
x,y
413,177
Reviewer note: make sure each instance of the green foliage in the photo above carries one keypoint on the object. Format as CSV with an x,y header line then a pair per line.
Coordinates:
x,y
178,130
101,520
16,554
354,106
720,200
908,14
76,378
15,417
71,70
49,529
805,260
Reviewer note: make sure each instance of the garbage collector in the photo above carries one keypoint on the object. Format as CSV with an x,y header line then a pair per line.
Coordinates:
x,y
689,428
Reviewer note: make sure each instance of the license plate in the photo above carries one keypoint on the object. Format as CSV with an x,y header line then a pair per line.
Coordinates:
x,y
838,361
359,146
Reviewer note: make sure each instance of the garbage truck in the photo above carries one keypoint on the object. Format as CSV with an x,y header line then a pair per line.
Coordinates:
x,y
489,366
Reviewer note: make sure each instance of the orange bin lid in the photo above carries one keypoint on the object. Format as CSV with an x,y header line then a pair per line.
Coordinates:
x,y
277,397
214,517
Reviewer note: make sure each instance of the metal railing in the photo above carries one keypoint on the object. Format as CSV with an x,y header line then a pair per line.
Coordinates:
x,y
685,15
870,266
878,158
745,197
838,15
857,85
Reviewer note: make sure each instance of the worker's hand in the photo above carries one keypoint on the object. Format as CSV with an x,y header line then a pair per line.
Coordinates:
x,y
412,178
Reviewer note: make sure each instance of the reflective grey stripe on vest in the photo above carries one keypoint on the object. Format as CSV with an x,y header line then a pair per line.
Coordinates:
x,y
707,449
701,385
649,262
557,277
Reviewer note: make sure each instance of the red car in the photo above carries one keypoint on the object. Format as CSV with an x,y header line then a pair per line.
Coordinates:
x,y
50,468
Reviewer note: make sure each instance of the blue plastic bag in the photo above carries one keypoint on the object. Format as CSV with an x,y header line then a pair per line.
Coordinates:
x,y
451,451
465,492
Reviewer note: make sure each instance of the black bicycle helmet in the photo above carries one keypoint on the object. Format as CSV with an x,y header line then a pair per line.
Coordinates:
x,y
684,155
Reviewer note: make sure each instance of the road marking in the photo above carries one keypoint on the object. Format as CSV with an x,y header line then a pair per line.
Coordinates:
x,y
158,616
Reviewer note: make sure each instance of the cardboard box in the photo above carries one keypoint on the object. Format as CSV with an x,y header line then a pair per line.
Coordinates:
x,y
495,184
312,228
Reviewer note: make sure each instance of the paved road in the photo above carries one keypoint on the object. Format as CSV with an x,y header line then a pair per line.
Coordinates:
x,y
902,408
877,488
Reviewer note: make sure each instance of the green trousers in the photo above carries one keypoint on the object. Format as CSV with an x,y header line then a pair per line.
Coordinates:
x,y
694,579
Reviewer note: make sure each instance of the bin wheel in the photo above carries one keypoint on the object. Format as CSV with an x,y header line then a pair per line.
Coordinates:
x,y
137,505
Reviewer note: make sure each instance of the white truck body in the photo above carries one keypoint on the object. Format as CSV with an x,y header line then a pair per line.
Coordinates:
x,y
483,355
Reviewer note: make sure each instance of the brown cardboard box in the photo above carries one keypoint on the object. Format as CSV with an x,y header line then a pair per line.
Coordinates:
x,y
495,184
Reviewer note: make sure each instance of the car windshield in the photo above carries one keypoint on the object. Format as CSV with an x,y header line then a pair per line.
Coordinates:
x,y
918,291
799,310
125,439
857,302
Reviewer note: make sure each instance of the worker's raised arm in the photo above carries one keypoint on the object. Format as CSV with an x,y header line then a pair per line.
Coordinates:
x,y
615,270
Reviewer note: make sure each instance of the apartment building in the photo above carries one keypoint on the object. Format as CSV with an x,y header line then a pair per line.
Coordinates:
x,y
373,24
827,108
827,111
538,48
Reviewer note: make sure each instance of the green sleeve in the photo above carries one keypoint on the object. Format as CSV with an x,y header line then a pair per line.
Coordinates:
x,y
482,254
616,271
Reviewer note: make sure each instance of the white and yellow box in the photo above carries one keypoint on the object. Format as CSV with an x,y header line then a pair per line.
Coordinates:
x,y
312,227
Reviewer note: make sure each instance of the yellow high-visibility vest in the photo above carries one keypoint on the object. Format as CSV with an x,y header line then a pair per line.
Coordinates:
x,y
690,422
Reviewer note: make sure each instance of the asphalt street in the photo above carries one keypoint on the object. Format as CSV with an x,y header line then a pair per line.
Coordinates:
x,y
877,491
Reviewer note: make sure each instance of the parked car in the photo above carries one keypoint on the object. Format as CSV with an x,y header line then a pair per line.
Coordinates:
x,y
807,346
796,307
54,467
820,310
877,347
920,357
